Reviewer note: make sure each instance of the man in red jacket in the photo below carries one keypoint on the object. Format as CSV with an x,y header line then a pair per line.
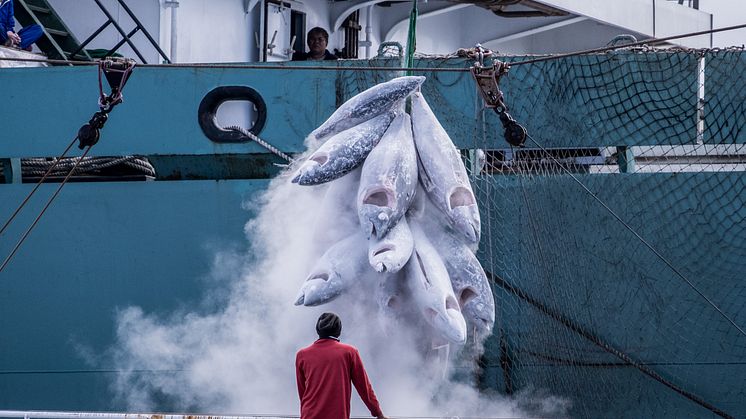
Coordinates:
x,y
324,371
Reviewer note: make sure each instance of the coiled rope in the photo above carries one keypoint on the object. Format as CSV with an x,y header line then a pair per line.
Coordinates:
x,y
87,165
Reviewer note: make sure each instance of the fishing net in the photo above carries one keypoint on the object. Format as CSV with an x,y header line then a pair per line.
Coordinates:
x,y
615,238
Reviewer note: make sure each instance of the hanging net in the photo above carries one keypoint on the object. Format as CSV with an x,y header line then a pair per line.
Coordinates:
x,y
615,239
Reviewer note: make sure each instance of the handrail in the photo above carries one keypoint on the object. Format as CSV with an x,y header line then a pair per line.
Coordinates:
x,y
34,414
694,4
126,37
29,414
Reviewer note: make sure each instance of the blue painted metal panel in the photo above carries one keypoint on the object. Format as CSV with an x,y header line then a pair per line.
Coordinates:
x,y
553,241
588,101
98,249
159,113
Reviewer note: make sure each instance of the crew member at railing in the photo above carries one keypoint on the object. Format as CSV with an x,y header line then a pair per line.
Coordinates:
x,y
317,40
8,37
323,372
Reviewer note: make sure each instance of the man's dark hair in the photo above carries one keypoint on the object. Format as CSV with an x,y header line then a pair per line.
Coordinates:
x,y
318,31
329,325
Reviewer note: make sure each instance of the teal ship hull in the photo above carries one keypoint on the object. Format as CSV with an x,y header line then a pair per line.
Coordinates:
x,y
574,287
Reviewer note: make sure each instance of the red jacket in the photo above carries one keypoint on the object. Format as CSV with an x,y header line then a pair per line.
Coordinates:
x,y
323,372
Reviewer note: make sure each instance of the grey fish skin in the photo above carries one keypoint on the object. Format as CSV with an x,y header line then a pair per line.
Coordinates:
x,y
427,280
469,281
334,272
391,296
368,104
471,287
388,179
391,253
343,152
442,172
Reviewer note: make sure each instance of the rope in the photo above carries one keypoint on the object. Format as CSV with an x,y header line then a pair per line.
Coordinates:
x,y
23,238
639,237
261,142
603,345
49,170
87,165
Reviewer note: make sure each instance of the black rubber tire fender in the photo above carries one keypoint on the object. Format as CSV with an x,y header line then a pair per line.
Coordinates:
x,y
208,108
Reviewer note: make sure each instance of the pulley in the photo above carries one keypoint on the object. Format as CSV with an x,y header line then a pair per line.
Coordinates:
x,y
487,83
117,72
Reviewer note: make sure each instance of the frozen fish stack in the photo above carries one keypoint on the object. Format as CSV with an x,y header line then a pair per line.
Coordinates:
x,y
405,215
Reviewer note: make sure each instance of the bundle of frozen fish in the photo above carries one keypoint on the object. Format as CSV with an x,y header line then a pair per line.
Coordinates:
x,y
406,217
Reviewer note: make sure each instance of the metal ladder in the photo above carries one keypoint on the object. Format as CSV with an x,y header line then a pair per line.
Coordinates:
x,y
125,36
58,43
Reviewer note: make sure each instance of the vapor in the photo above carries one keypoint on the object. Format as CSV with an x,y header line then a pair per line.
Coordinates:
x,y
240,359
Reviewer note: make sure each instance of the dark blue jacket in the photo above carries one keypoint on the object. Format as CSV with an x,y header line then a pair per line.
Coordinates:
x,y
303,56
7,23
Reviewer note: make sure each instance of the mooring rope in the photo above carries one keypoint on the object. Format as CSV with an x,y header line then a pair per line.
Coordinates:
x,y
28,231
49,170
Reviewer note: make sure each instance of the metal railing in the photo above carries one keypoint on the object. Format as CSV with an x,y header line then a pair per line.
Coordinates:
x,y
34,414
694,4
126,36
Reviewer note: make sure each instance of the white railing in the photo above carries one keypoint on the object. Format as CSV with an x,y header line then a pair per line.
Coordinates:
x,y
694,4
32,414
36,414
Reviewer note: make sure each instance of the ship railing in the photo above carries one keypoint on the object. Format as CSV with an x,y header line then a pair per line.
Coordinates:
x,y
35,414
32,414
694,4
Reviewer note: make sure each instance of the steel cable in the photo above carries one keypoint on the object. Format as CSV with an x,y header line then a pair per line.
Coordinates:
x,y
49,170
23,238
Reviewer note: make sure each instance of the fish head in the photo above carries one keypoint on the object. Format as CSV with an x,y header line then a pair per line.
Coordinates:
x,y
394,251
478,309
389,256
439,308
308,172
376,208
465,220
448,320
319,288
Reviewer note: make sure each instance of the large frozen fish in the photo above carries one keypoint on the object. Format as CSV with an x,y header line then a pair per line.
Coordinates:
x,y
391,253
427,280
388,179
335,272
471,287
442,172
368,104
343,152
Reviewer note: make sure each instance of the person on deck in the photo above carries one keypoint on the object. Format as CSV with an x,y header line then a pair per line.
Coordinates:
x,y
8,37
317,40
323,372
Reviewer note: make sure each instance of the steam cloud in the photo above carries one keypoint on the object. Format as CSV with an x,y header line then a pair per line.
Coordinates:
x,y
240,360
